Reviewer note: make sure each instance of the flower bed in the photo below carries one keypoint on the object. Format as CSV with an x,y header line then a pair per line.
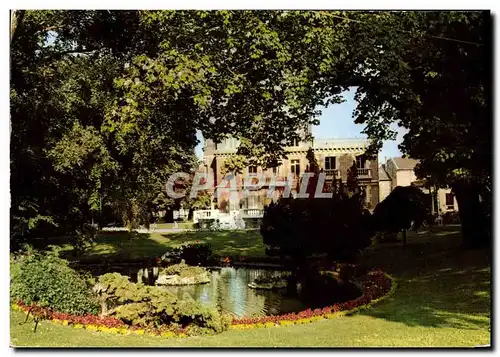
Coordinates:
x,y
94,322
376,285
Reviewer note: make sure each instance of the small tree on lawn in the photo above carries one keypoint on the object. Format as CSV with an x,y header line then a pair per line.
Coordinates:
x,y
402,207
302,230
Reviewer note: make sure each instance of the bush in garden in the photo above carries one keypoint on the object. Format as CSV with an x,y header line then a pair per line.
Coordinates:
x,y
402,207
46,280
151,306
451,217
196,253
302,227
336,228
184,270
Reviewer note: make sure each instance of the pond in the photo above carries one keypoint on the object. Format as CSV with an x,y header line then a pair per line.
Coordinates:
x,y
228,291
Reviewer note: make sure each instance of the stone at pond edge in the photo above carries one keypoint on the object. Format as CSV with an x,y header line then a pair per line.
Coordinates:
x,y
178,280
268,286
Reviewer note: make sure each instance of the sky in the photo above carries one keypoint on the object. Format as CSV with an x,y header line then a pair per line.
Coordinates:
x,y
336,122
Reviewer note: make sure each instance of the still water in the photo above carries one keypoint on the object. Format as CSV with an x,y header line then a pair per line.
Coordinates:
x,y
228,291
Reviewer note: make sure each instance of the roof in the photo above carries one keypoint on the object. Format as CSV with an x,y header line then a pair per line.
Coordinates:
x,y
404,163
382,174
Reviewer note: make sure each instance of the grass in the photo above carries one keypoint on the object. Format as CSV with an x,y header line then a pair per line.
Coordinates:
x,y
183,225
128,246
442,300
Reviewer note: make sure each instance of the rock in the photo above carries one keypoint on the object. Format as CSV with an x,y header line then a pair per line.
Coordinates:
x,y
268,286
178,280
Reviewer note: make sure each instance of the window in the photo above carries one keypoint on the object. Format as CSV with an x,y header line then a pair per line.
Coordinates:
x,y
330,163
252,169
253,200
450,200
295,142
295,167
360,162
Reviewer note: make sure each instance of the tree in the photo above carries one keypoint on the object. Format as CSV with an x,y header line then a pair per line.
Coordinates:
x,y
428,72
302,229
403,207
106,104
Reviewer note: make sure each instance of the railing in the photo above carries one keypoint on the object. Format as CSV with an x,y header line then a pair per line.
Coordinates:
x,y
340,142
332,172
252,212
366,173
205,214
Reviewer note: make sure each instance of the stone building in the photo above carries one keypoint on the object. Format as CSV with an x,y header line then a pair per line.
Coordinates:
x,y
334,156
401,172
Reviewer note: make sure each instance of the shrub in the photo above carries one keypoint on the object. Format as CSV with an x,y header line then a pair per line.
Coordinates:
x,y
300,228
451,217
184,270
46,280
151,306
196,253
209,224
400,208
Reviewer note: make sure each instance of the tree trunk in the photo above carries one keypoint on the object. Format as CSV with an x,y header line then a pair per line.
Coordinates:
x,y
16,18
475,226
404,237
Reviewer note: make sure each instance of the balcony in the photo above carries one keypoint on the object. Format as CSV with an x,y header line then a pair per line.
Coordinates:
x,y
252,213
330,174
364,173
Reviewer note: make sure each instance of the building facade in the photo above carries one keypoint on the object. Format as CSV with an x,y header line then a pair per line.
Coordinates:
x,y
401,172
384,183
334,156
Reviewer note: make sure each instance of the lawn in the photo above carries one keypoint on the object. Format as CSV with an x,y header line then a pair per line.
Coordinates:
x,y
443,299
127,246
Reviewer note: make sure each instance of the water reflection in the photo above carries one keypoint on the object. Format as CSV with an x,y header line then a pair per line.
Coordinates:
x,y
228,291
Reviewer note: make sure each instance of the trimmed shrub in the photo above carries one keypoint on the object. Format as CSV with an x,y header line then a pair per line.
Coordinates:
x,y
196,253
184,270
46,280
151,306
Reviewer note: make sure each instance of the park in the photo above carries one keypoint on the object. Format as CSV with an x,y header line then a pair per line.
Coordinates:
x,y
121,236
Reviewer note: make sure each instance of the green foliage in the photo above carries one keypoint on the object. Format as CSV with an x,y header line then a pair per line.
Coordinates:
x,y
142,305
184,270
47,280
101,118
197,253
299,228
400,208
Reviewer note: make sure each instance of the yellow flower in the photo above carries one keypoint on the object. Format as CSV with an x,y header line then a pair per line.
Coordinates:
x,y
287,323
123,331
65,322
139,332
269,324
91,327
78,326
57,321
167,334
113,330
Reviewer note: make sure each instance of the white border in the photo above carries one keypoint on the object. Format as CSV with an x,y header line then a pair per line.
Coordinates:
x,y
185,4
